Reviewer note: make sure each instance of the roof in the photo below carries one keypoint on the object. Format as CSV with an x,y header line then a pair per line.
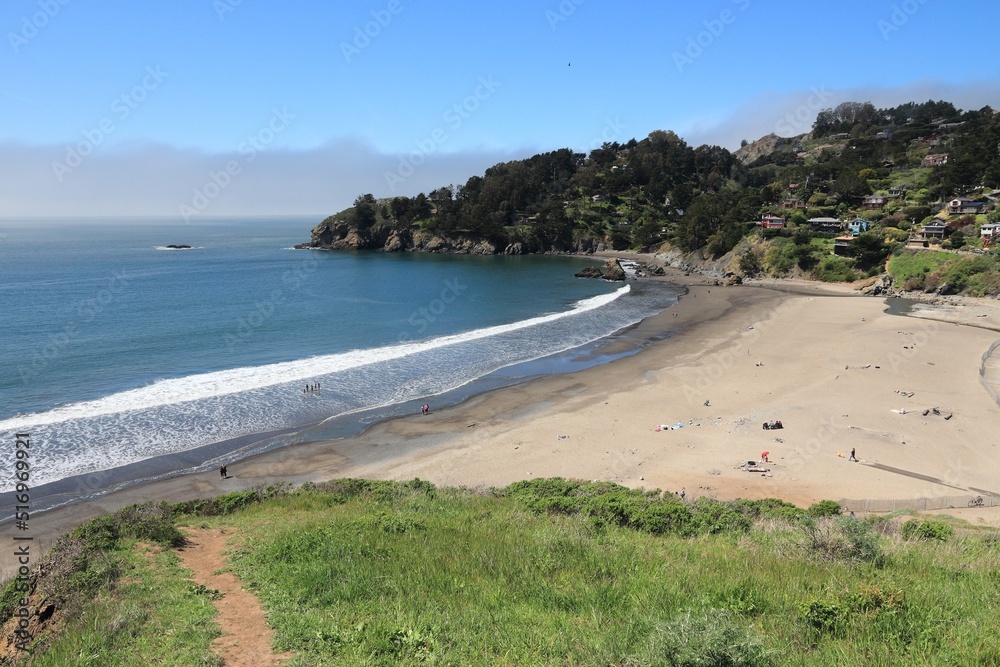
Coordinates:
x,y
820,221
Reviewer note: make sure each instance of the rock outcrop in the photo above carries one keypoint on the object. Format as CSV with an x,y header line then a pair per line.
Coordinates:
x,y
613,270
590,272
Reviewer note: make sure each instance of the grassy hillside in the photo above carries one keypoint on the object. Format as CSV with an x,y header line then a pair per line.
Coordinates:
x,y
547,572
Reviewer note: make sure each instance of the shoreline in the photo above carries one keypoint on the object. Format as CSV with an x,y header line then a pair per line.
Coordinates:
x,y
599,422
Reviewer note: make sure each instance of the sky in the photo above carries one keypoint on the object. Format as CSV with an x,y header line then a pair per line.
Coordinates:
x,y
201,108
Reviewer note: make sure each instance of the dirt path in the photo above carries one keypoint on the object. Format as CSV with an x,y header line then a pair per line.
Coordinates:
x,y
246,638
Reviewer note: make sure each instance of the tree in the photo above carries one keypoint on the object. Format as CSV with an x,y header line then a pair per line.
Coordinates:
x,y
364,211
869,250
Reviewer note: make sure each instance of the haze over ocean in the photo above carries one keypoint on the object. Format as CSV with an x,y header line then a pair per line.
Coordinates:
x,y
117,349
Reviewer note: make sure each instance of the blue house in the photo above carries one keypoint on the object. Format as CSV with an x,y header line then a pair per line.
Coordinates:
x,y
857,226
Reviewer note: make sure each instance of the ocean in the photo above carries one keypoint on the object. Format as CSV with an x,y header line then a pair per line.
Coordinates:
x,y
116,350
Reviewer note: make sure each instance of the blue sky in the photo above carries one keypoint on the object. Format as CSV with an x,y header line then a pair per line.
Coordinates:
x,y
239,107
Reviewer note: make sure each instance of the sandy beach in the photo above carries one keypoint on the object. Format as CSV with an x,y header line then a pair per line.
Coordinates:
x,y
687,412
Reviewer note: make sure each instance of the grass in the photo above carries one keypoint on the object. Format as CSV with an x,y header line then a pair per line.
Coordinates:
x,y
555,572
973,275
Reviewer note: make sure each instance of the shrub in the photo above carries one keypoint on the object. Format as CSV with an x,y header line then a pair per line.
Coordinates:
x,y
926,529
823,615
833,268
824,508
845,538
712,638
713,516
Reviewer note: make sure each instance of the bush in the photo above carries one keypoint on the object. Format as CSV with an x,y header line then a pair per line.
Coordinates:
x,y
712,638
845,538
834,269
824,508
926,529
713,517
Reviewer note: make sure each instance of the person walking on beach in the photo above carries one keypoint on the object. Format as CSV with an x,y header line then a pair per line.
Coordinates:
x,y
223,473
683,493
853,457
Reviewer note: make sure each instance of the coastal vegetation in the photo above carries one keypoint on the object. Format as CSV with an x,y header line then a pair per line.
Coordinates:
x,y
703,204
541,572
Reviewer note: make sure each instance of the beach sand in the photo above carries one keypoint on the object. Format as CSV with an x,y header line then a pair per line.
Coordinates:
x,y
837,371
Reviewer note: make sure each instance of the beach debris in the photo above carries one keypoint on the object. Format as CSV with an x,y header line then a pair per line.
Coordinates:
x,y
907,394
562,437
713,471
778,440
470,424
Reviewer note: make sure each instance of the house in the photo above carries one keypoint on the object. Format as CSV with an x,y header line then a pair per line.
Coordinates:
x,y
934,160
874,202
883,134
934,230
841,135
964,206
793,202
828,225
842,245
857,226
897,191
989,232
771,221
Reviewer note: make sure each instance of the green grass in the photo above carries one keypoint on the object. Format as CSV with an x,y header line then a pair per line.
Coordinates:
x,y
556,572
150,616
973,275
912,267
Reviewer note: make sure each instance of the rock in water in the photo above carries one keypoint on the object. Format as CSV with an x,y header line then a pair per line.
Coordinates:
x,y
590,272
614,270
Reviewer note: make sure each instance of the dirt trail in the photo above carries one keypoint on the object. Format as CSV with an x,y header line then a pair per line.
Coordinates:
x,y
246,638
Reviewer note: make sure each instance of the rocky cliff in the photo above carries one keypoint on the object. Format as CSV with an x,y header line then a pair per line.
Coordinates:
x,y
339,233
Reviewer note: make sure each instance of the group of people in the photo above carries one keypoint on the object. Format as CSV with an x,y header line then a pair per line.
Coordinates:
x,y
425,409
311,388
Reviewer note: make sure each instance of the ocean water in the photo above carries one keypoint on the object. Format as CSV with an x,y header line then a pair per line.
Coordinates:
x,y
116,350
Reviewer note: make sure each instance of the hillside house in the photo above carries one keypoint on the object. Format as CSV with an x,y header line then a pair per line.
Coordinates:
x,y
828,225
842,245
771,221
934,160
857,226
874,202
897,191
934,230
965,206
793,202
989,233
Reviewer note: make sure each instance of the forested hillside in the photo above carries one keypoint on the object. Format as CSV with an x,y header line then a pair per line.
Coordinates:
x,y
914,159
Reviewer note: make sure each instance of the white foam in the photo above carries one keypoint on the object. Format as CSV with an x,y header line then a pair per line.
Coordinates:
x,y
233,381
